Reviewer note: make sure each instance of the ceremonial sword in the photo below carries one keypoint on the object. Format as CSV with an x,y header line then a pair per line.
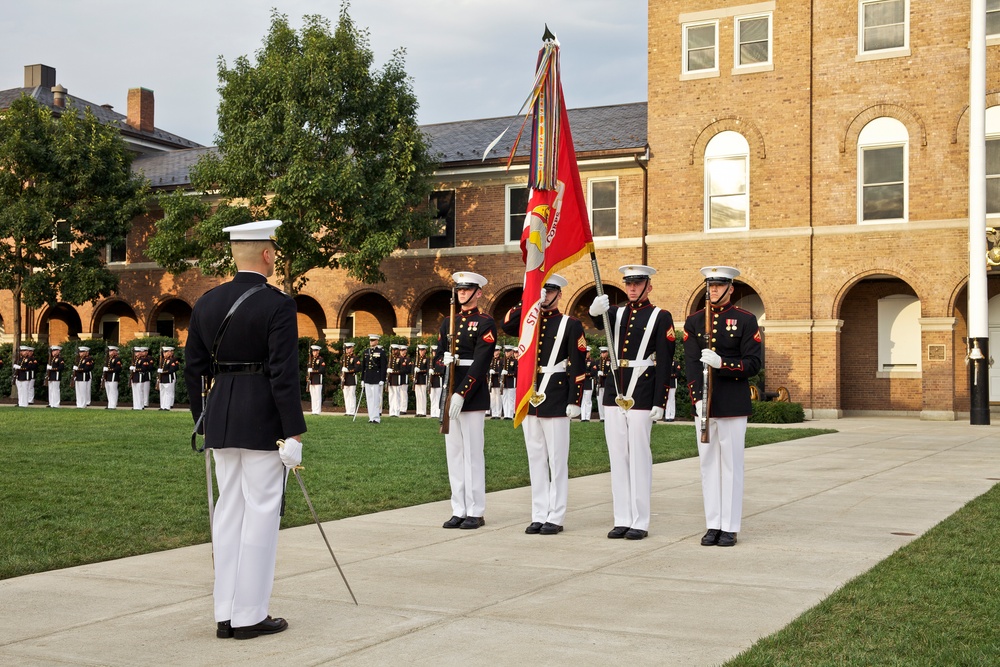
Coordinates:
x,y
302,485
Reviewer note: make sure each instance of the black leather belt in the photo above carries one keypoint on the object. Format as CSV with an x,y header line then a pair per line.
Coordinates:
x,y
248,368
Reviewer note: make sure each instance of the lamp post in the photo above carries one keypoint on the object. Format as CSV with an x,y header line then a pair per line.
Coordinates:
x,y
978,342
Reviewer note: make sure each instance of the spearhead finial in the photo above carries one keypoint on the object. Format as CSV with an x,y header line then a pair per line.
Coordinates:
x,y
548,36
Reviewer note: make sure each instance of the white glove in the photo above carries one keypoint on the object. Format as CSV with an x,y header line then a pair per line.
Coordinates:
x,y
159,370
455,407
76,368
572,411
601,305
503,372
697,408
105,369
48,367
447,359
655,414
343,369
131,368
309,369
492,372
290,452
381,383
711,357
17,367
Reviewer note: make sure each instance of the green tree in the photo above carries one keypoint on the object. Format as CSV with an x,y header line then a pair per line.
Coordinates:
x,y
66,192
313,136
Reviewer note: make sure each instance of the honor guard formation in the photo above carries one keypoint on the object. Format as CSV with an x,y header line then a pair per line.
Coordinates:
x,y
241,358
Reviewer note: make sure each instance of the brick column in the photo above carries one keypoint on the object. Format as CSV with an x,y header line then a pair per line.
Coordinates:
x,y
826,369
937,376
787,359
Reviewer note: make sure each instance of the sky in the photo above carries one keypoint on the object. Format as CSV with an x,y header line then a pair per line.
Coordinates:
x,y
467,59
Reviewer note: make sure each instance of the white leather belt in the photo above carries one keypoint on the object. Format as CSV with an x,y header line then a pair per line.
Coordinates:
x,y
636,363
557,368
464,362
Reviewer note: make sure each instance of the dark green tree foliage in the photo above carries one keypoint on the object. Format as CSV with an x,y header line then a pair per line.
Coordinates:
x,y
312,135
66,192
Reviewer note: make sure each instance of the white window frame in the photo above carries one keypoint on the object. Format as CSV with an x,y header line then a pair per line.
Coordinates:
x,y
993,7
107,256
992,134
699,73
707,185
880,133
507,213
890,52
899,335
764,66
590,204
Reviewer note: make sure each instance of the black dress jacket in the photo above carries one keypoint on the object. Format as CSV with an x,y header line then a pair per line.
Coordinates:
x,y
249,410
736,338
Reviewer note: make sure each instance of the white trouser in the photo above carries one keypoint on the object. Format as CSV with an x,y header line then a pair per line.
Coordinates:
x,y
627,433
373,395
722,472
587,405
23,392
547,442
496,402
671,410
403,398
53,393
466,464
245,532
508,402
420,396
600,402
112,389
350,399
140,395
83,393
316,395
436,402
393,400
167,390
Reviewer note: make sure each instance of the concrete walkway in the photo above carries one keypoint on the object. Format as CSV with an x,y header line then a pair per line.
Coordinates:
x,y
818,512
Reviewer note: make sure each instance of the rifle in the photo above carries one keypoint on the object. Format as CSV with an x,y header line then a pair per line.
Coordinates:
x,y
161,368
706,371
448,385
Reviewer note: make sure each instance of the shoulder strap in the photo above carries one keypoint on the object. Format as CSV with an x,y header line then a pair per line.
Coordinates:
x,y
229,316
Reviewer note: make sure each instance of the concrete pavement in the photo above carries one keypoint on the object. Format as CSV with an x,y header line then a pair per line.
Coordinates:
x,y
818,512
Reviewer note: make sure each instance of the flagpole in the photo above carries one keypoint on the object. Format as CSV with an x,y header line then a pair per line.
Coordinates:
x,y
612,348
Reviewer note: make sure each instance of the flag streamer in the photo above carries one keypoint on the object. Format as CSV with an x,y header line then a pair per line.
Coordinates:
x,y
556,230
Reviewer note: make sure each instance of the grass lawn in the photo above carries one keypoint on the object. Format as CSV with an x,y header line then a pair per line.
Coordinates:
x,y
80,486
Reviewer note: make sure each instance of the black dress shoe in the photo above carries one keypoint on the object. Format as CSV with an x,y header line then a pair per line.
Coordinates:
x,y
224,630
727,539
618,532
268,626
711,538
534,528
550,529
453,522
635,534
472,522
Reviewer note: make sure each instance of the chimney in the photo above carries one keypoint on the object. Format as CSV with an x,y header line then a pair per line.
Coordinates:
x,y
39,75
59,96
140,109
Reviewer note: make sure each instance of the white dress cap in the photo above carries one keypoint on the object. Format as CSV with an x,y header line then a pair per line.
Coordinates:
x,y
348,344
421,347
315,347
373,336
636,272
57,347
83,349
164,349
555,280
262,230
142,349
113,347
468,280
25,348
719,274
602,349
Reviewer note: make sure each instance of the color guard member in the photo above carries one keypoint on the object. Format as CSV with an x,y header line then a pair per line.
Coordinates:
x,y
83,376
167,377
112,375
421,365
24,376
349,367
314,376
53,374
374,366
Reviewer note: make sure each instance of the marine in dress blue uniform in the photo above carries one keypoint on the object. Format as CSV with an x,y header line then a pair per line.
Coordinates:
x,y
733,354
255,401
603,370
24,376
315,370
167,376
475,340
374,368
421,366
634,396
350,366
53,374
83,376
561,372
112,371
509,379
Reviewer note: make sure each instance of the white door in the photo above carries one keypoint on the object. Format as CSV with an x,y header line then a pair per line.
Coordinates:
x,y
994,321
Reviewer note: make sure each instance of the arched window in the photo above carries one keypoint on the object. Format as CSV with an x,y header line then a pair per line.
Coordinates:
x,y
727,182
882,170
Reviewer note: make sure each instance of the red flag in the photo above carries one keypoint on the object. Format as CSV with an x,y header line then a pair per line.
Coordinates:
x,y
556,229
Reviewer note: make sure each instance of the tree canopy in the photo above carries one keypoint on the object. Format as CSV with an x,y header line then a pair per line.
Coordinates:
x,y
67,191
312,135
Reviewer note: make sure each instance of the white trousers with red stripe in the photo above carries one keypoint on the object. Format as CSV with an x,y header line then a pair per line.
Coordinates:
x,y
245,532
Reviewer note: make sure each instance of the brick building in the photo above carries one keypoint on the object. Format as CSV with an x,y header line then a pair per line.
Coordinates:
x,y
820,146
